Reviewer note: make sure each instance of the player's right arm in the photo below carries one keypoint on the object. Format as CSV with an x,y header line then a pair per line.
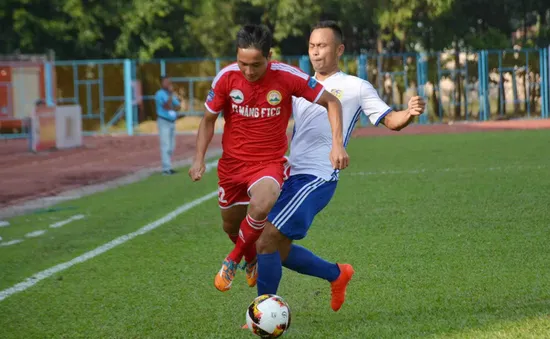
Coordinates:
x,y
214,105
204,137
338,155
379,112
306,87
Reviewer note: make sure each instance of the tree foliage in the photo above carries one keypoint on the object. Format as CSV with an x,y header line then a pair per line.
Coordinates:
x,y
76,29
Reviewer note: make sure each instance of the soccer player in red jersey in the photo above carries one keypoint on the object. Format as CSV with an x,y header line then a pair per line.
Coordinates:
x,y
255,96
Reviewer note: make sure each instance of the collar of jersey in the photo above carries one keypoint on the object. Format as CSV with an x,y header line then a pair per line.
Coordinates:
x,y
337,73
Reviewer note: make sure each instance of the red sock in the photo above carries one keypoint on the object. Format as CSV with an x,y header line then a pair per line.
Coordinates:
x,y
233,237
250,254
250,232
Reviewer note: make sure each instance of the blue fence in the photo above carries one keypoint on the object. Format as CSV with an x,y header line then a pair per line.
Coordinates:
x,y
117,95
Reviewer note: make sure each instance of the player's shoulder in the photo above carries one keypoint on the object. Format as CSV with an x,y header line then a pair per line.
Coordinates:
x,y
226,72
355,83
286,70
233,67
279,66
352,80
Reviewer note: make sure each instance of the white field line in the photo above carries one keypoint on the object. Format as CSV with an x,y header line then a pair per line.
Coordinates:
x,y
35,234
4,223
29,282
66,221
38,233
11,242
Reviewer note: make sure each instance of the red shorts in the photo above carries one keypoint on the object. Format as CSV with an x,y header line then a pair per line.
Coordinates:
x,y
237,177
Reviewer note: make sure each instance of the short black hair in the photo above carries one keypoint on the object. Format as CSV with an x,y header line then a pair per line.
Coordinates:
x,y
255,36
332,25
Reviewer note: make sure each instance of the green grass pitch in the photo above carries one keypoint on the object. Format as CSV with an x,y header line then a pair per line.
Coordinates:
x,y
449,236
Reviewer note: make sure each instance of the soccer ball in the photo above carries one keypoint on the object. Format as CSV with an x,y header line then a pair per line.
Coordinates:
x,y
268,316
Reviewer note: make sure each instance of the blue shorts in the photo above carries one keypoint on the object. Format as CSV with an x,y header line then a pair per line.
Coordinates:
x,y
302,197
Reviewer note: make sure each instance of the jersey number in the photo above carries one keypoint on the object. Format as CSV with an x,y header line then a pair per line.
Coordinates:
x,y
221,195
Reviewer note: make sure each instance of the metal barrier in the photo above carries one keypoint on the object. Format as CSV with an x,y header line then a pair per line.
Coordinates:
x,y
518,65
545,80
96,85
117,95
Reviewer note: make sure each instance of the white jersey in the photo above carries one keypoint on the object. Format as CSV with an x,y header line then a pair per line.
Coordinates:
x,y
312,137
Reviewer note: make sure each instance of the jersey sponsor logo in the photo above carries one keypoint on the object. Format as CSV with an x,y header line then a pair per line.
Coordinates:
x,y
312,82
274,97
237,96
256,112
337,93
210,96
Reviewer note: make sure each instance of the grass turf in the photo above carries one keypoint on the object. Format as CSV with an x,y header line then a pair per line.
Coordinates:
x,y
448,235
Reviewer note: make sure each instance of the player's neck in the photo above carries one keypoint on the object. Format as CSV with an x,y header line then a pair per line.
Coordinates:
x,y
322,76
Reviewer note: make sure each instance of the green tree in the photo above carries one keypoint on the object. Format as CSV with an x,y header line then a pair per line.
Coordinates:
x,y
77,29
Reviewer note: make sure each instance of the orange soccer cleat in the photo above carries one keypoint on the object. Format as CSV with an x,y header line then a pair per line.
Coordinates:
x,y
338,286
224,278
252,273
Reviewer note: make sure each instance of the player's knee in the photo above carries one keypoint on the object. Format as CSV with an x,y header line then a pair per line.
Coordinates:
x,y
261,207
263,199
262,202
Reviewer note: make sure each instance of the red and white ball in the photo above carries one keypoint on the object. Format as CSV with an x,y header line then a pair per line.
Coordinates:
x,y
268,316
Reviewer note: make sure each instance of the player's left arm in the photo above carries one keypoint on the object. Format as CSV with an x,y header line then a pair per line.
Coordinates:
x,y
397,120
311,90
380,113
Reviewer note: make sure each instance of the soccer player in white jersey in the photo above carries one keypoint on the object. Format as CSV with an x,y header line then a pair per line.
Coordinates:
x,y
313,180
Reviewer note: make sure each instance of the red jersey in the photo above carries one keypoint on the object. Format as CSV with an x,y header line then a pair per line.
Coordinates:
x,y
256,113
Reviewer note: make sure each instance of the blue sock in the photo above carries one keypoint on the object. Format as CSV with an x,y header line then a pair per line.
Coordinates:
x,y
301,260
270,271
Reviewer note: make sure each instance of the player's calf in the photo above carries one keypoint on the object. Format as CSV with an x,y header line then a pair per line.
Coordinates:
x,y
268,243
232,218
269,259
264,193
